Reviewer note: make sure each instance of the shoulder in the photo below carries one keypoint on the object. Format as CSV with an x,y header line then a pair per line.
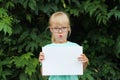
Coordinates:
x,y
72,43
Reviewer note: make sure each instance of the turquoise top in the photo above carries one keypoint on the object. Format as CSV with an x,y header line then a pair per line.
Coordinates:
x,y
68,43
63,77
66,77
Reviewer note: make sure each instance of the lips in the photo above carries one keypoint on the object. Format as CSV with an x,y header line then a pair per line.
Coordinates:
x,y
60,36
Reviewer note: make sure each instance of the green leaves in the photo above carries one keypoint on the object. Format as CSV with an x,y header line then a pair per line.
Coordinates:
x,y
114,12
5,22
117,47
4,67
97,10
87,75
26,61
32,4
31,66
23,60
30,40
9,5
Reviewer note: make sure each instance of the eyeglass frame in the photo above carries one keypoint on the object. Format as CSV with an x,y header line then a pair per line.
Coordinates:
x,y
57,29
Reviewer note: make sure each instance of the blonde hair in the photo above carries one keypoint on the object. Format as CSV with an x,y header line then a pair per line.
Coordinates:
x,y
59,18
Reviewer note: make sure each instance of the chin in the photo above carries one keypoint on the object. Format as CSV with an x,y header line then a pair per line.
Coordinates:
x,y
62,41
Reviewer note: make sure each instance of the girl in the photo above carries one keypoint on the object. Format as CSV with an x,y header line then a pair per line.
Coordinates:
x,y
59,25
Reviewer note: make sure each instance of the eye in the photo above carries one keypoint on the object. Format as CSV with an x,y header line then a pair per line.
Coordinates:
x,y
55,28
64,27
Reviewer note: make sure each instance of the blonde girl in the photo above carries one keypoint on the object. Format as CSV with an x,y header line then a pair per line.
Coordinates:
x,y
59,26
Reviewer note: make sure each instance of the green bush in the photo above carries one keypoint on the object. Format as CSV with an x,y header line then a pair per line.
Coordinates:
x,y
24,30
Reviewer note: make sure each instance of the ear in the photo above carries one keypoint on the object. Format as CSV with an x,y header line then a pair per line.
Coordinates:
x,y
69,29
50,28
69,32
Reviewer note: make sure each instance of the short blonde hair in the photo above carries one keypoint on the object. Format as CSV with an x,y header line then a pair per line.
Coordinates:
x,y
59,18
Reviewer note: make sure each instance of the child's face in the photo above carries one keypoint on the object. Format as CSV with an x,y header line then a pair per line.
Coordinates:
x,y
60,33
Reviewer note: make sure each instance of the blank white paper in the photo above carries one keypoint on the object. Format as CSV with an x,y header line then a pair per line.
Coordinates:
x,y
62,61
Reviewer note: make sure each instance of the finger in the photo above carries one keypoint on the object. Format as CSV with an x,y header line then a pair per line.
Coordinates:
x,y
83,58
41,54
41,59
83,55
80,57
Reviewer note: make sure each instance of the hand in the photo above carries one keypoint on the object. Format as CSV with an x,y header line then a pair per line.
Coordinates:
x,y
41,57
83,58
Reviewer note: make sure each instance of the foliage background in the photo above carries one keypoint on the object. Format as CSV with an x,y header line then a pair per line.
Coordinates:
x,y
23,31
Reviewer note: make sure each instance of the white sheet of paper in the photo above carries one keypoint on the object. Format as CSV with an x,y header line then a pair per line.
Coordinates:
x,y
62,61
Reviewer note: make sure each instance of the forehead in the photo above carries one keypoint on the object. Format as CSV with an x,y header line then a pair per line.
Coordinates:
x,y
59,25
59,22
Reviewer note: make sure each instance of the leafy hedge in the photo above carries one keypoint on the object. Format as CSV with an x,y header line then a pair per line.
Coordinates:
x,y
23,31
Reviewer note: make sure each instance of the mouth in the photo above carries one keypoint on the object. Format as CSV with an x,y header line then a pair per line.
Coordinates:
x,y
60,36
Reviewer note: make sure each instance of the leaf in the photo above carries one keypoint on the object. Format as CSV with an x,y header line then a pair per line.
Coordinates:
x,y
114,12
3,12
101,16
5,27
23,76
24,3
28,17
22,61
5,22
27,56
75,12
31,46
117,47
64,5
32,4
31,66
10,5
5,73
23,36
87,75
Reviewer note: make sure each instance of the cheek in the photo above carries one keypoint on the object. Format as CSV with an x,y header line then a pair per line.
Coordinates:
x,y
66,33
54,34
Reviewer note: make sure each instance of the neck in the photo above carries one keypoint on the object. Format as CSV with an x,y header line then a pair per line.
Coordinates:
x,y
60,42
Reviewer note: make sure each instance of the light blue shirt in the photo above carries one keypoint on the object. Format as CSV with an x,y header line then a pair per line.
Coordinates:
x,y
68,43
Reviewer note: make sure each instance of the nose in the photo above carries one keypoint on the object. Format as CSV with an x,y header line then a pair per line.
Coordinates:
x,y
60,30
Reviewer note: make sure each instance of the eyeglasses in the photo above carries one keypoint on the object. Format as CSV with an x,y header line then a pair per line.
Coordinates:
x,y
56,29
